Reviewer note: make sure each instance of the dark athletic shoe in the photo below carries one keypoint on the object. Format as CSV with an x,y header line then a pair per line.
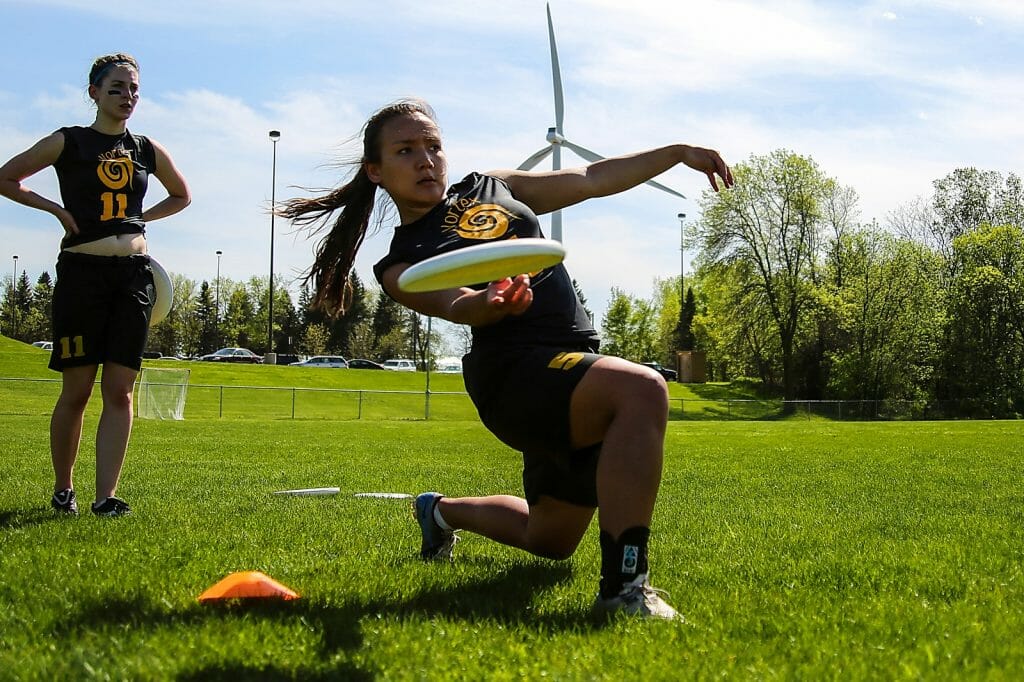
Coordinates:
x,y
112,506
437,542
64,502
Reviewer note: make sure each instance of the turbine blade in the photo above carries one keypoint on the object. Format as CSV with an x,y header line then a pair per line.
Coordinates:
x,y
583,152
535,158
592,157
556,75
663,188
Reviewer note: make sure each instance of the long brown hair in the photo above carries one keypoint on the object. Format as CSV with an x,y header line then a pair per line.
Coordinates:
x,y
336,250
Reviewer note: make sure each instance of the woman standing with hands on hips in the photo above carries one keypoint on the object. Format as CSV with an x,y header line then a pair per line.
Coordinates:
x,y
104,292
590,427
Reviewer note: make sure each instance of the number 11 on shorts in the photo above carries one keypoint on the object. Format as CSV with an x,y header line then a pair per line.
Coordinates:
x,y
65,347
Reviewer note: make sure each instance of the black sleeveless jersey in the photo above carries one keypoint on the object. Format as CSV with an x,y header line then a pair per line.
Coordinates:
x,y
103,179
478,209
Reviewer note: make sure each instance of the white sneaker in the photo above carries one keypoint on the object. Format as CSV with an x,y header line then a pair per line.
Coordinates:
x,y
638,598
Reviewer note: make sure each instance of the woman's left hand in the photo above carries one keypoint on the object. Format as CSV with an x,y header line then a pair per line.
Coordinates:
x,y
709,162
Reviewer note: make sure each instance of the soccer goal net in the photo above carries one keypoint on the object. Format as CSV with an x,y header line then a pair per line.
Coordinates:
x,y
161,393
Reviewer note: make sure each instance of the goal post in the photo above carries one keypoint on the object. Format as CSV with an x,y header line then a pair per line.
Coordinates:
x,y
161,393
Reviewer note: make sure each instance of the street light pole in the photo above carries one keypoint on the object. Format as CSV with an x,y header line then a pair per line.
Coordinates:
x,y
217,316
14,300
682,263
275,135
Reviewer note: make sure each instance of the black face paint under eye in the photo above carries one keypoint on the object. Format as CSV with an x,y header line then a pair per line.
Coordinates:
x,y
113,92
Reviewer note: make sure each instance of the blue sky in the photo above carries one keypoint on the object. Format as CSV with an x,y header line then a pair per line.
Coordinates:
x,y
885,96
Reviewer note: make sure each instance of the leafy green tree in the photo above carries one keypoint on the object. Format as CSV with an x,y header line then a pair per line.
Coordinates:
x,y
314,339
241,325
889,318
616,327
178,331
984,362
775,220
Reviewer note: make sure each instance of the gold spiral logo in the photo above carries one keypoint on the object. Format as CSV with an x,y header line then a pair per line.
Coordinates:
x,y
115,173
484,221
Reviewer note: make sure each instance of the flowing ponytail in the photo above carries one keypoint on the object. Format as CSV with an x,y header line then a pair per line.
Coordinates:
x,y
336,250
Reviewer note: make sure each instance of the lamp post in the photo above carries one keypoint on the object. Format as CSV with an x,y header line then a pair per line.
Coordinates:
x,y
14,300
216,318
682,263
275,135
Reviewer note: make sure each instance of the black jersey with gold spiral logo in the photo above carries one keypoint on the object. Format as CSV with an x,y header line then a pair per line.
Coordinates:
x,y
478,209
103,180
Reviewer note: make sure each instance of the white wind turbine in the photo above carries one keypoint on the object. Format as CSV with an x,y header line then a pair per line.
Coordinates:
x,y
556,139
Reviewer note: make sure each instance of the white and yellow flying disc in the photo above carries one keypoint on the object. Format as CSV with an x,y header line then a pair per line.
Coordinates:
x,y
482,263
164,292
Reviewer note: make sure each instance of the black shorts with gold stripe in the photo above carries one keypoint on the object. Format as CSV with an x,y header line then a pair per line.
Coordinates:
x,y
523,396
101,309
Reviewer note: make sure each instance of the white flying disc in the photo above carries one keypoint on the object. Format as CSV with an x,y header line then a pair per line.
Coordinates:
x,y
164,292
482,263
309,491
390,496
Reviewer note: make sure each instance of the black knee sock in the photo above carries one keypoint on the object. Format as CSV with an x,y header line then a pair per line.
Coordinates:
x,y
623,560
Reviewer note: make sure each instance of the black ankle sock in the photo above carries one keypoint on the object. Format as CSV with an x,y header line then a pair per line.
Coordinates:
x,y
623,560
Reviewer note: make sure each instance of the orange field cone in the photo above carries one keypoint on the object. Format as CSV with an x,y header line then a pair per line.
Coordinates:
x,y
247,585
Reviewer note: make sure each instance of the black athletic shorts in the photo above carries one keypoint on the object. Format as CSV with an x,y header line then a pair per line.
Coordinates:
x,y
101,309
522,396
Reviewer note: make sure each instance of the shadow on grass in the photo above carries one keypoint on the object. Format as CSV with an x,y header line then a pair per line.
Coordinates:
x,y
13,519
504,598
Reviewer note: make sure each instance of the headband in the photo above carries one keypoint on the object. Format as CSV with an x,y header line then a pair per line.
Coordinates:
x,y
98,78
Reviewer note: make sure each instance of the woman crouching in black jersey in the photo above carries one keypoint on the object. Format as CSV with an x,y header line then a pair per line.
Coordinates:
x,y
590,427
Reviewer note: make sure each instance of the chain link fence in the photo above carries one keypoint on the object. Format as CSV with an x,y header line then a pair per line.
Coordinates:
x,y
36,397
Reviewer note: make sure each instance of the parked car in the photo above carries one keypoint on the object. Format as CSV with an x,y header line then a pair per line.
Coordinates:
x,y
448,366
669,374
322,361
233,355
359,363
400,365
44,345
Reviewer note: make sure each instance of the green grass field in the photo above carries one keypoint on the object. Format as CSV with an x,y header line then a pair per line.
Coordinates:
x,y
796,549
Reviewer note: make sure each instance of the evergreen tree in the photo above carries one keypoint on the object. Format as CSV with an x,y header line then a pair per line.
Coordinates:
x,y
684,331
206,312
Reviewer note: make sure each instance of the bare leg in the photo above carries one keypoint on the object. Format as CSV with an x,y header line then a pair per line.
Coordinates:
x,y
66,423
550,528
115,426
626,406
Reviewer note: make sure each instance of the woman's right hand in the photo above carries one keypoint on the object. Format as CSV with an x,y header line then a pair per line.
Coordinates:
x,y
510,296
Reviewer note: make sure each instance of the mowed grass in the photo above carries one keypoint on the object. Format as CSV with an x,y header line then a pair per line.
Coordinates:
x,y
795,549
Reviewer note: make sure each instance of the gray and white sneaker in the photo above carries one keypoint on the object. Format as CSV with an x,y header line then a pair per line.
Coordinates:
x,y
63,501
638,598
437,542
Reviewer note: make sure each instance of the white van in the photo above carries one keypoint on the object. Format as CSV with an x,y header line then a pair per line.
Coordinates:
x,y
400,365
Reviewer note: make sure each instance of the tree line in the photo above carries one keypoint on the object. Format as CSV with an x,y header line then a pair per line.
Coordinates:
x,y
793,290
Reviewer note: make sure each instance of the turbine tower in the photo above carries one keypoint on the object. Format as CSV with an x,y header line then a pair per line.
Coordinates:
x,y
556,137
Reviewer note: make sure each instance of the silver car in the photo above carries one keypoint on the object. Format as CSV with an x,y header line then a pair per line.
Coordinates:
x,y
322,361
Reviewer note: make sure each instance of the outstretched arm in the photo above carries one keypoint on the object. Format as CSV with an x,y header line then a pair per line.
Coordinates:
x,y
550,191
